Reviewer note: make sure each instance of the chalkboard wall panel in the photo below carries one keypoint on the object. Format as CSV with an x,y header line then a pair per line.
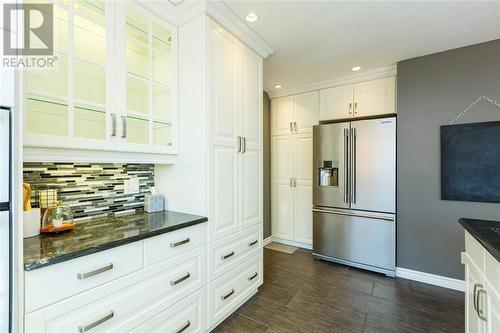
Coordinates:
x,y
470,162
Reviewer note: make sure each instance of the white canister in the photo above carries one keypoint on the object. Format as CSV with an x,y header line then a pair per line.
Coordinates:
x,y
31,223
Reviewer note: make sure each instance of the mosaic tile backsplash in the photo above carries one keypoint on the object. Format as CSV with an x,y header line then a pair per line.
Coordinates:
x,y
91,190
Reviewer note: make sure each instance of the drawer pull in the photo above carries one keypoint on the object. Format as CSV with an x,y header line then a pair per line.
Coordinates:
x,y
253,243
185,327
250,278
88,327
179,243
82,276
229,255
179,280
227,295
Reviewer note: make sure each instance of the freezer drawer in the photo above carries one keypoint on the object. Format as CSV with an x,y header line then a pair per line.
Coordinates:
x,y
363,239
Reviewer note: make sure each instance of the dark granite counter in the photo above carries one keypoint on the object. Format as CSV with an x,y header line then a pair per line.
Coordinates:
x,y
102,234
487,233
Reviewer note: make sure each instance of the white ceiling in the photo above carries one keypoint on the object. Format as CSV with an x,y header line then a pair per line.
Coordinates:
x,y
321,40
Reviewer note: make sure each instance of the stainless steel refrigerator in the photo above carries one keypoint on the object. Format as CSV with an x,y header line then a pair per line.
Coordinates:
x,y
5,221
354,194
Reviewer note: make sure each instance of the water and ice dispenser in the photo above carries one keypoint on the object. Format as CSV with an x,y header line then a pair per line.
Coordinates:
x,y
328,174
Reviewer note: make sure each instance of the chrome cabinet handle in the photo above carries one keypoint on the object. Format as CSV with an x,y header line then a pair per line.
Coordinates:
x,y
113,124
124,127
253,243
185,327
244,139
295,127
291,127
355,107
179,243
474,295
83,276
229,255
291,182
295,182
179,280
227,295
250,278
350,108
354,162
88,327
239,143
346,157
480,312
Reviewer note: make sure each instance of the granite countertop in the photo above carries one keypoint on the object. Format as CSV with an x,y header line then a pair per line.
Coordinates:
x,y
102,234
487,233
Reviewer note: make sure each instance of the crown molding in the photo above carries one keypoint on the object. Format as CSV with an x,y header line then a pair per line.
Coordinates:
x,y
188,10
373,74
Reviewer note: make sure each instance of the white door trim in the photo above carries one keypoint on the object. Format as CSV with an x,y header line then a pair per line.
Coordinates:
x,y
436,280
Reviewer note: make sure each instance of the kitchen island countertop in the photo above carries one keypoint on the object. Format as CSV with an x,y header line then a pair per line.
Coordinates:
x,y
102,234
487,233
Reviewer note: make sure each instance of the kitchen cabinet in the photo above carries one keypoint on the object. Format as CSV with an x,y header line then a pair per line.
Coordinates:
x,y
292,187
294,114
114,85
482,274
362,99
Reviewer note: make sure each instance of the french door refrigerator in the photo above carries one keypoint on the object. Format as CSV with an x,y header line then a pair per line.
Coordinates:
x,y
354,221
5,220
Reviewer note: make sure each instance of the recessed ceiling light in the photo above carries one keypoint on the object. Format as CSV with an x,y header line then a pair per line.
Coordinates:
x,y
252,17
278,86
356,68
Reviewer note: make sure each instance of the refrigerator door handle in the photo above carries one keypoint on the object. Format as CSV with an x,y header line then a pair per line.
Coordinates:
x,y
346,173
354,161
356,214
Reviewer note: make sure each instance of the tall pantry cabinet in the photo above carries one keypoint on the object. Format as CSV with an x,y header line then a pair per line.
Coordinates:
x,y
292,119
220,160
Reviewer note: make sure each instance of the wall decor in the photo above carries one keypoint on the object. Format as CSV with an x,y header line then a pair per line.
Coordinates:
x,y
91,190
470,159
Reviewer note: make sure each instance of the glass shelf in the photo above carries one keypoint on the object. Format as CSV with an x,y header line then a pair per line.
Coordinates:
x,y
162,133
89,82
89,123
137,95
137,130
47,117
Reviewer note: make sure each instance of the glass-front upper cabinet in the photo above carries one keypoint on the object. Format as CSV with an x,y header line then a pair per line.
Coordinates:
x,y
70,106
147,76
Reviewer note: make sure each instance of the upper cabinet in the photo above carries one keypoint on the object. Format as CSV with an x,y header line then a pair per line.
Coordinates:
x,y
294,114
363,99
114,85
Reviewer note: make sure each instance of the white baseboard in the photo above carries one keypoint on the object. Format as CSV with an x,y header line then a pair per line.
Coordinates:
x,y
267,240
292,243
436,280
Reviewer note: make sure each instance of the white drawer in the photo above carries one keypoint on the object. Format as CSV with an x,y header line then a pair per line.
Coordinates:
x,y
189,315
166,284
53,283
166,246
227,292
229,252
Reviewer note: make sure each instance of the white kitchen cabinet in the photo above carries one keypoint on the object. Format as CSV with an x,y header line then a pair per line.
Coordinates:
x,y
235,112
482,276
294,114
114,86
362,99
336,102
292,187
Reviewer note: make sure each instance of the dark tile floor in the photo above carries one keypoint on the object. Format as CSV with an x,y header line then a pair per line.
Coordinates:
x,y
301,294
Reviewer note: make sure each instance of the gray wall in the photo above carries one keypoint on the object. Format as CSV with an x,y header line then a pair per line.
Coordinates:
x,y
267,166
431,91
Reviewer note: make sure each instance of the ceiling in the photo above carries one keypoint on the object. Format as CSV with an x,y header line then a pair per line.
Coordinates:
x,y
321,40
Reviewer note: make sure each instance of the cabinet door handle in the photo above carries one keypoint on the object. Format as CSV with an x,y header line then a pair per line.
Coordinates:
x,y
480,311
295,127
185,327
113,124
295,182
291,182
124,127
239,143
474,296
88,327
244,144
227,295
229,255
355,107
253,243
179,243
179,280
291,127
83,276
350,108
250,278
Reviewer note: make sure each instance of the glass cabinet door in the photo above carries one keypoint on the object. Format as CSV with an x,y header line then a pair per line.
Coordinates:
x,y
149,76
72,100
